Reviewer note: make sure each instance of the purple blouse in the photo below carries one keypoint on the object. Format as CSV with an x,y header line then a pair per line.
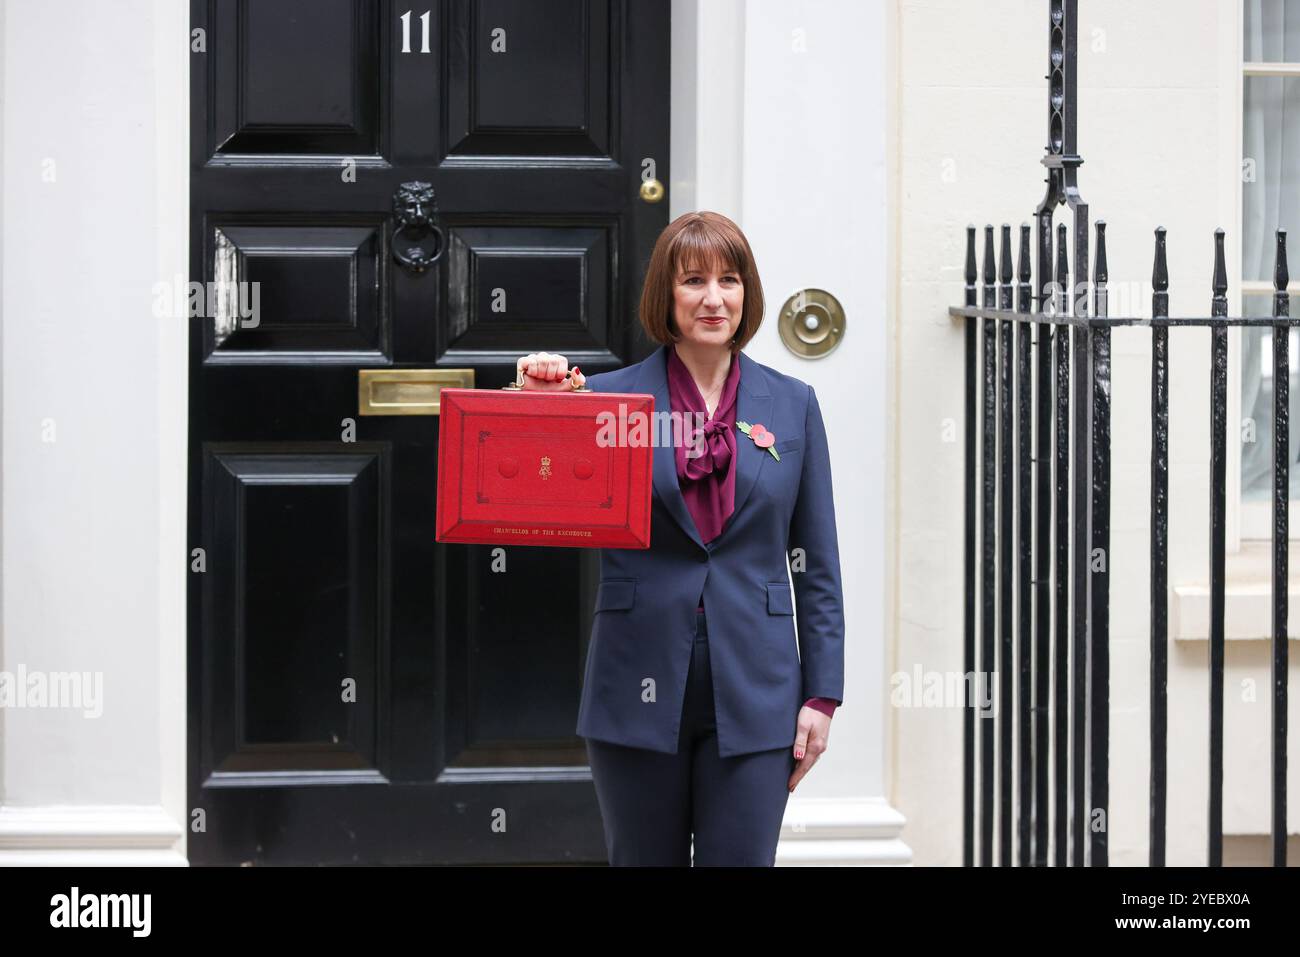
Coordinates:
x,y
708,480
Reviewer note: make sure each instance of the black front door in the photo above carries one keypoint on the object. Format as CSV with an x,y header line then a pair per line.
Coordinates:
x,y
387,198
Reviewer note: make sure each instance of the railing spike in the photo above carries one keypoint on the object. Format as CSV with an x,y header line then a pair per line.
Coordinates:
x,y
990,268
1220,270
1025,290
1099,271
972,273
1005,255
1160,273
1281,274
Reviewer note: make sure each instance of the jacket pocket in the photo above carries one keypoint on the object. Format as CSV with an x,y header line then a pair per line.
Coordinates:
x,y
778,599
616,594
789,445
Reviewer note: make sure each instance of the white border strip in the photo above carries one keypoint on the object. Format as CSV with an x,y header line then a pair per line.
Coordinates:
x,y
89,835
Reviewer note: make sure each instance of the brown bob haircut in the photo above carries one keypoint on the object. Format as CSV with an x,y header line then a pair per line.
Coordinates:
x,y
699,240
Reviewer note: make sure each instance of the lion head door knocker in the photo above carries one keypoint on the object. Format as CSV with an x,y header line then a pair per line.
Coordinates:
x,y
415,210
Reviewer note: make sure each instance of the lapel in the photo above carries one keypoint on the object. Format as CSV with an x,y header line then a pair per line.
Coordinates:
x,y
753,404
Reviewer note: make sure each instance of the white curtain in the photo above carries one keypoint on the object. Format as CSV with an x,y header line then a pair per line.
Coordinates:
x,y
1271,131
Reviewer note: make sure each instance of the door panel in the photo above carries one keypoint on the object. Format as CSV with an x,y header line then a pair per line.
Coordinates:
x,y
317,288
534,280
532,81
294,76
358,692
295,628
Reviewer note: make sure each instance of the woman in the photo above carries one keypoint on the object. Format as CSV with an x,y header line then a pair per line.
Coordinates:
x,y
705,727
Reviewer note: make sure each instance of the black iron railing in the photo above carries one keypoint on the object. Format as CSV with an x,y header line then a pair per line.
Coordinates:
x,y
1024,461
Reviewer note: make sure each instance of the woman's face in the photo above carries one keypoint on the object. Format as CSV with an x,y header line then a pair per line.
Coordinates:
x,y
699,295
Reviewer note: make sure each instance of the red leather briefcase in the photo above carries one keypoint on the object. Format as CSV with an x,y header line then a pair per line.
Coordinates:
x,y
518,467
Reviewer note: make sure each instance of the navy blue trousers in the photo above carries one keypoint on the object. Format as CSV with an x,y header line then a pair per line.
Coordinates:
x,y
652,803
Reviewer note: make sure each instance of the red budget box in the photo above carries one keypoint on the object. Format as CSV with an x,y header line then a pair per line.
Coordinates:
x,y
518,467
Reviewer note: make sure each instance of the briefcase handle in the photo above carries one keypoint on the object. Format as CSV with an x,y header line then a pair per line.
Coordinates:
x,y
518,385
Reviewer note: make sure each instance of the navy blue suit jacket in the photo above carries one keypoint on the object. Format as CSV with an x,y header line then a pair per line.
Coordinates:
x,y
644,622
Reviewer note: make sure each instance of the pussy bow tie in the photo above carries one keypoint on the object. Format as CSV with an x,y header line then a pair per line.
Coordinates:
x,y
715,439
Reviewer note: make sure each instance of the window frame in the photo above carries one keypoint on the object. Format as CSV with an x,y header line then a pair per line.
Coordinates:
x,y
1252,521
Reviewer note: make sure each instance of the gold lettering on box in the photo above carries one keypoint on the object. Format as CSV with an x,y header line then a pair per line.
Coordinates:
x,y
574,532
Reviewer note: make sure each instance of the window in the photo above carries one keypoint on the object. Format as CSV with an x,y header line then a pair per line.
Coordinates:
x,y
1270,198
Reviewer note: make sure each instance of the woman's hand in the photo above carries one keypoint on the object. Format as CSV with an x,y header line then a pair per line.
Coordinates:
x,y
545,372
814,730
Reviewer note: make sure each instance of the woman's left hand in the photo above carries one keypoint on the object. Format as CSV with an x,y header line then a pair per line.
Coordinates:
x,y
814,730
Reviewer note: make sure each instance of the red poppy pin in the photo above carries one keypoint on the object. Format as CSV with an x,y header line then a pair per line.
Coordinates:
x,y
761,436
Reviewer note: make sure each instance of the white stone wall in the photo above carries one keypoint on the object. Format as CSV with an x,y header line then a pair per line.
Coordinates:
x,y
780,122
95,149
